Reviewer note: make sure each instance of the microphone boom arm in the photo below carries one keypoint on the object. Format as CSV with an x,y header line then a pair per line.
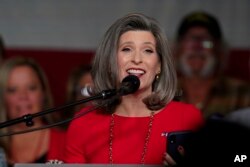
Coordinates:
x,y
28,119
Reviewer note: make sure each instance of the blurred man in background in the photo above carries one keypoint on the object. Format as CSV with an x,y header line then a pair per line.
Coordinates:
x,y
200,55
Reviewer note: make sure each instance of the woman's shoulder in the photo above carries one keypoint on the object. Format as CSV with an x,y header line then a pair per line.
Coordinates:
x,y
56,144
186,114
90,112
87,115
184,110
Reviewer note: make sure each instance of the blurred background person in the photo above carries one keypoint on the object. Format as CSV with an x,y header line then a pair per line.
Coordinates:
x,y
24,90
3,162
2,50
240,116
200,54
79,86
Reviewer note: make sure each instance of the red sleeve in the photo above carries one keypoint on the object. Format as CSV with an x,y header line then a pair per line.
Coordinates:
x,y
74,148
56,144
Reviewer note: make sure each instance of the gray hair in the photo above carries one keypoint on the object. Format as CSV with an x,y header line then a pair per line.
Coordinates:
x,y
104,69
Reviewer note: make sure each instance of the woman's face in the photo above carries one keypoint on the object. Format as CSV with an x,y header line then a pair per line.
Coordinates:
x,y
137,56
24,94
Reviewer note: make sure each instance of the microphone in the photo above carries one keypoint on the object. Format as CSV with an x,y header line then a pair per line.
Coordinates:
x,y
129,85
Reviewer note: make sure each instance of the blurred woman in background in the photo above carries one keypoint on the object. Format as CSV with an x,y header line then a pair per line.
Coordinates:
x,y
79,83
79,86
24,90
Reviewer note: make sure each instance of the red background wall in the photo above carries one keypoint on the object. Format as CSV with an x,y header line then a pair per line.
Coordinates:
x,y
239,64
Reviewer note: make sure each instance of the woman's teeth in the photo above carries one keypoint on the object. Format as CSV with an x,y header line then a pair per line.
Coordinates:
x,y
135,72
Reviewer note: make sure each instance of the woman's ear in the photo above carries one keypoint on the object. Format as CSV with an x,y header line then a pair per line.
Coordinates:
x,y
159,68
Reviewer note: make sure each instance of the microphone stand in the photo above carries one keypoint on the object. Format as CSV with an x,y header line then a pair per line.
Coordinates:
x,y
28,119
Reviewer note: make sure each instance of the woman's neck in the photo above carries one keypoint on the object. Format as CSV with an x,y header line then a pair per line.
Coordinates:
x,y
132,106
29,146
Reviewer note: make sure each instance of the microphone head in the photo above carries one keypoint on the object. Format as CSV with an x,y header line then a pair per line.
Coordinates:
x,y
129,85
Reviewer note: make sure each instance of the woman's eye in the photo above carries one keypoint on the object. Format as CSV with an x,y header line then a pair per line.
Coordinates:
x,y
11,90
149,51
126,49
33,88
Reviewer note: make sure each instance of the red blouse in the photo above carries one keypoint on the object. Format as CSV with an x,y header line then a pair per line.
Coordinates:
x,y
87,139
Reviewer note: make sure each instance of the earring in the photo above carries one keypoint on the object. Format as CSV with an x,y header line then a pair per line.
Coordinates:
x,y
157,76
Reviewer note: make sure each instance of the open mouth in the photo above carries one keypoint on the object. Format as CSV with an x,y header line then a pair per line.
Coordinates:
x,y
24,109
136,72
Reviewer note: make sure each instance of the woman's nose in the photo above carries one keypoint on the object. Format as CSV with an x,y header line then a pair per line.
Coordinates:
x,y
23,94
137,58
